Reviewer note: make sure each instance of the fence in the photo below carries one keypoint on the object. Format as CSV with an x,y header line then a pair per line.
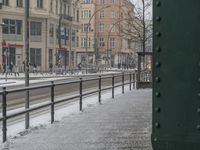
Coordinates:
x,y
52,102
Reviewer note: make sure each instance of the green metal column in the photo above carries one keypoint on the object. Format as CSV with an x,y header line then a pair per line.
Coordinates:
x,y
176,75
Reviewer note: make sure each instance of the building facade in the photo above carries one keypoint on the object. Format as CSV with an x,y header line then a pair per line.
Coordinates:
x,y
100,38
53,28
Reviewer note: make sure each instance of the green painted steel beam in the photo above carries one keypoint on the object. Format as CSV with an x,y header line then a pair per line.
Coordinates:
x,y
176,75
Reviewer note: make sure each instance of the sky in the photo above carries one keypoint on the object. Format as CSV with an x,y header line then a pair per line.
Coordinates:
x,y
138,4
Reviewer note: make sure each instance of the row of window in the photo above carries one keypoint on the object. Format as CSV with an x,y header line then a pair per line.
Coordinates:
x,y
40,4
15,27
101,42
100,2
85,14
19,3
87,27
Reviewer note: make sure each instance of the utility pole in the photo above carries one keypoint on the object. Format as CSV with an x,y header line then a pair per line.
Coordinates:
x,y
26,47
59,31
70,47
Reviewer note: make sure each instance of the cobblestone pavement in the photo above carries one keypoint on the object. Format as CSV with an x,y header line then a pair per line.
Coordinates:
x,y
120,124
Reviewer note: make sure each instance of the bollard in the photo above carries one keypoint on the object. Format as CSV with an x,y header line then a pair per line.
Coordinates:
x,y
52,102
113,86
123,83
99,89
81,94
4,124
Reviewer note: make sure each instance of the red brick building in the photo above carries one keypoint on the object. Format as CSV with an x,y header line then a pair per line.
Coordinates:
x,y
102,22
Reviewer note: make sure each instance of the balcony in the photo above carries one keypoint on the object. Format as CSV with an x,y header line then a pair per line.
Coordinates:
x,y
67,17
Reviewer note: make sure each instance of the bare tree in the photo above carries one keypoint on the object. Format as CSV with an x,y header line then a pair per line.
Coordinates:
x,y
137,27
139,23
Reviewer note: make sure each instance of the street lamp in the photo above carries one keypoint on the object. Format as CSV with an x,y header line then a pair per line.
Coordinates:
x,y
107,52
86,48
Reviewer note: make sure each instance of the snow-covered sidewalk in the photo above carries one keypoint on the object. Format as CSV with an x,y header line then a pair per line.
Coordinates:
x,y
122,123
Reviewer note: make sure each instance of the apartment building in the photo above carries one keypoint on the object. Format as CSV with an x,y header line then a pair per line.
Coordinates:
x,y
100,37
53,33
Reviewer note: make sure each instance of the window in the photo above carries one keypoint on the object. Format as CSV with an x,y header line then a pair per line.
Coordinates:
x,y
19,3
101,14
39,3
112,42
51,30
101,2
101,42
84,42
101,27
86,13
112,1
12,26
87,1
6,2
112,14
35,56
73,38
86,27
36,28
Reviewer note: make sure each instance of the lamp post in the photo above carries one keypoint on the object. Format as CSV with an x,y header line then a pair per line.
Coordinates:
x,y
86,47
26,47
113,25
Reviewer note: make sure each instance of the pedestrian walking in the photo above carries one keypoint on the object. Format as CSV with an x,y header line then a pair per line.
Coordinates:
x,y
34,68
11,68
4,68
79,66
16,70
50,68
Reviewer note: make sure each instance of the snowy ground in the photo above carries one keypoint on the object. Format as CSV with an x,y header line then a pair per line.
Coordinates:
x,y
17,129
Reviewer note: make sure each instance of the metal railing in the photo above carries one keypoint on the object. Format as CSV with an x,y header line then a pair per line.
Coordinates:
x,y
52,102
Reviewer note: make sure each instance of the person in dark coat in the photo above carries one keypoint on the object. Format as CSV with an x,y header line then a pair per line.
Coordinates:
x,y
11,68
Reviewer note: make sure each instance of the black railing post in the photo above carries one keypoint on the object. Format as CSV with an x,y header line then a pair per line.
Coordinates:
x,y
52,102
99,89
81,94
113,86
123,83
130,81
4,115
136,80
